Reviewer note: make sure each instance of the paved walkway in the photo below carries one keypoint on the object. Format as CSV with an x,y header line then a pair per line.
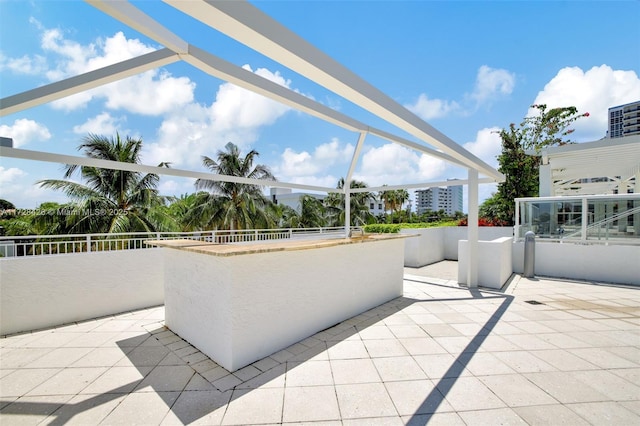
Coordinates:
x,y
438,355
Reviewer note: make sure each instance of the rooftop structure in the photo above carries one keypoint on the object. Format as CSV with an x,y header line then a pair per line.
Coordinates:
x,y
624,120
447,198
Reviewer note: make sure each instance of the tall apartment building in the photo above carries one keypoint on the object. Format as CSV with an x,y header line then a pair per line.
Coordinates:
x,y
624,120
448,198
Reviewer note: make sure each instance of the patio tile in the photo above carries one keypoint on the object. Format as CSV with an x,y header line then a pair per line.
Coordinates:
x,y
59,358
144,356
101,357
468,393
364,400
352,371
20,382
312,373
417,397
422,346
437,366
117,380
85,409
610,413
500,416
31,410
317,403
515,390
227,382
199,383
484,364
251,406
198,408
407,331
543,415
265,364
384,348
377,421
524,362
274,378
398,368
611,385
348,350
457,344
68,381
603,358
564,360
215,374
529,342
246,373
437,419
90,340
376,332
166,379
19,357
565,387
440,330
50,339
143,408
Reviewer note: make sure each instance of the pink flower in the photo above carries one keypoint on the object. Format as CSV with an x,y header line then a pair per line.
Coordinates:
x,y
586,114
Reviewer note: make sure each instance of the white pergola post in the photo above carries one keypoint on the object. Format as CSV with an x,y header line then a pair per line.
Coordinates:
x,y
347,207
472,229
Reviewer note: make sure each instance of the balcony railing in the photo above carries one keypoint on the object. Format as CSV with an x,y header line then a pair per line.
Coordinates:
x,y
592,219
42,245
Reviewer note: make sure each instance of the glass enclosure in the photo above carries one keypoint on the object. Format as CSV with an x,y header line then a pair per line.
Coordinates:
x,y
595,218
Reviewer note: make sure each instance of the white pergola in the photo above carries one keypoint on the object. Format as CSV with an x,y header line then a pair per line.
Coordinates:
x,y
591,168
251,27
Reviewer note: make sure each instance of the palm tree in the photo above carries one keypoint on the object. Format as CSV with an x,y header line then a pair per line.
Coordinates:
x,y
359,201
111,200
230,205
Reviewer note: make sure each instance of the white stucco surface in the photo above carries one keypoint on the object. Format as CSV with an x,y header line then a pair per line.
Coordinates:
x,y
45,291
613,263
494,262
436,244
238,309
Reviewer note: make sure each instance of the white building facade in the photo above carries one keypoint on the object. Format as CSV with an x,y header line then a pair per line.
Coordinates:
x,y
624,120
448,198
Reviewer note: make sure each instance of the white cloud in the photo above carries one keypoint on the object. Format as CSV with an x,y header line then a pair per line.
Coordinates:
x,y
593,91
153,92
24,131
491,82
235,116
487,145
30,65
10,175
303,165
428,109
393,164
101,124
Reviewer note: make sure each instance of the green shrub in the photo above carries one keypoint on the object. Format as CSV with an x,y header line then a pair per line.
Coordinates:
x,y
394,228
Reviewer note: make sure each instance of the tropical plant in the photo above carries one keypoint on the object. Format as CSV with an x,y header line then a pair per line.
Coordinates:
x,y
394,199
545,128
111,200
232,205
359,201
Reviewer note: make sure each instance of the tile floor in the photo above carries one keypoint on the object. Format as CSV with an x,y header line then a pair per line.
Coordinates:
x,y
438,355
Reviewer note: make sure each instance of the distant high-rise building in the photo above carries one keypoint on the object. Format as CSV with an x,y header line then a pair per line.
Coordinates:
x,y
624,120
448,198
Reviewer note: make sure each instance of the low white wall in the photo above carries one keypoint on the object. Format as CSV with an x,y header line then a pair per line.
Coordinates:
x,y
238,309
425,249
613,263
45,291
494,262
436,244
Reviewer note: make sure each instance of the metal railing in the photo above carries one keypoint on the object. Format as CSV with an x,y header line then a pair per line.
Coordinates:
x,y
43,245
587,219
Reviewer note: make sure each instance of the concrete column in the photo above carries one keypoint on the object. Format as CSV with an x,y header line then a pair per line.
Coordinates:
x,y
472,229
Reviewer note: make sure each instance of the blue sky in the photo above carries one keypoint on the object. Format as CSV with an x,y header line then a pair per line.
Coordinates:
x,y
467,68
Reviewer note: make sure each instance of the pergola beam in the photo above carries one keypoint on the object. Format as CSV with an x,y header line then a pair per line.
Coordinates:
x,y
253,28
134,167
86,81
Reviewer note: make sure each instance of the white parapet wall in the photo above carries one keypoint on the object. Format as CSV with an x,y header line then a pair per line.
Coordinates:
x,y
436,244
619,264
494,262
45,291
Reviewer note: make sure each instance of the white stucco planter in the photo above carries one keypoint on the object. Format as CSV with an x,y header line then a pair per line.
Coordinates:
x,y
238,308
494,262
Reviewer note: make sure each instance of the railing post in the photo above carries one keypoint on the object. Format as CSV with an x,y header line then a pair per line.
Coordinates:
x,y
585,218
89,243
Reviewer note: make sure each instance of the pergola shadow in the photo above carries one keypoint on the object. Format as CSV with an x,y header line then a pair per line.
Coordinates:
x,y
202,403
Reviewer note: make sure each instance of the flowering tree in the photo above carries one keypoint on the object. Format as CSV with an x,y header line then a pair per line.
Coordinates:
x,y
546,128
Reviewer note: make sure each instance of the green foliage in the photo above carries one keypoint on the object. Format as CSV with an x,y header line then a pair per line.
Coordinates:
x,y
394,228
6,205
231,205
546,128
359,202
